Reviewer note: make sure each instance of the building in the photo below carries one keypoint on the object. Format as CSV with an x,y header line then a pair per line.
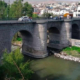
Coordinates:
x,y
77,13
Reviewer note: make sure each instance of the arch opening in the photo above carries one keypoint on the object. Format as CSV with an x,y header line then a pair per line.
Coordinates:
x,y
75,31
53,39
53,30
51,34
21,38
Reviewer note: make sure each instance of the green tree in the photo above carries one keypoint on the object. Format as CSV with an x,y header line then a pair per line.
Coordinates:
x,y
16,9
35,16
27,9
47,15
3,6
13,66
6,12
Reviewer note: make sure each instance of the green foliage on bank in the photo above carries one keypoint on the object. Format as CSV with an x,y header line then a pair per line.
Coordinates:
x,y
72,48
17,37
13,67
74,51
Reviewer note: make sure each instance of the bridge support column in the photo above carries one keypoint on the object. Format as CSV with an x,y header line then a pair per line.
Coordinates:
x,y
66,33
5,43
36,46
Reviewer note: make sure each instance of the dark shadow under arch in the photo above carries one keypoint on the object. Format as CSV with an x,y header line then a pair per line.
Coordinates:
x,y
75,31
25,33
54,30
51,32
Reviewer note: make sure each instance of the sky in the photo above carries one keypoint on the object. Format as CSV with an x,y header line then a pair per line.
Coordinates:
x,y
39,1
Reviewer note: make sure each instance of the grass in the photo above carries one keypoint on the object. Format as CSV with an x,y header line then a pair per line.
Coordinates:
x,y
74,51
72,48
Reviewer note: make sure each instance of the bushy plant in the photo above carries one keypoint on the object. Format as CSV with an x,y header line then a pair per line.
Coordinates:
x,y
15,37
14,67
19,39
35,16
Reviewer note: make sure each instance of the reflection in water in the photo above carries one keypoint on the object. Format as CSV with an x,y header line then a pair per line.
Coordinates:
x,y
52,68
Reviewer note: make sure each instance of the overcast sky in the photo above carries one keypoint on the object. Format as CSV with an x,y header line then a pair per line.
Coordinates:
x,y
37,1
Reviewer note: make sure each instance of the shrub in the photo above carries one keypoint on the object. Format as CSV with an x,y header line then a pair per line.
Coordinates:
x,y
19,39
13,66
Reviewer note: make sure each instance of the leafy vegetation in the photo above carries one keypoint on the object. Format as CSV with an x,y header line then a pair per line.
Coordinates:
x,y
15,10
19,39
72,48
75,51
47,15
27,9
3,6
14,68
35,16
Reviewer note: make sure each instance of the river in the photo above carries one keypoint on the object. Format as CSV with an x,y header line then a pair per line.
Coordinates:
x,y
52,68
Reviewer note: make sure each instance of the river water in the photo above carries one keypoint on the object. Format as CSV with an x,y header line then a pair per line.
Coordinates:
x,y
52,68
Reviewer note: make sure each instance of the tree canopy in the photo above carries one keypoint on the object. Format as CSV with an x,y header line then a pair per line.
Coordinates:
x,y
3,6
47,15
27,9
15,10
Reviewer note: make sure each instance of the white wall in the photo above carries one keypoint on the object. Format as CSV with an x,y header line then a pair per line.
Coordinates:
x,y
77,14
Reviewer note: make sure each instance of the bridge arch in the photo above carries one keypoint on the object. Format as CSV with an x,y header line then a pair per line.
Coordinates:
x,y
75,31
27,39
53,37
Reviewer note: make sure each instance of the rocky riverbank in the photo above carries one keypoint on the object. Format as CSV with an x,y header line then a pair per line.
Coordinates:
x,y
15,44
67,57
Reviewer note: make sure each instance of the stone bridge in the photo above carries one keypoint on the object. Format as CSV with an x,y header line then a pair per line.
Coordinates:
x,y
40,34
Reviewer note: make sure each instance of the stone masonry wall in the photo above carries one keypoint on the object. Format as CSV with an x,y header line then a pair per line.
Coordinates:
x,y
34,35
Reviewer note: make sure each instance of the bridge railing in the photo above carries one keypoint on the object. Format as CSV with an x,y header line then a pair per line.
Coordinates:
x,y
40,18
